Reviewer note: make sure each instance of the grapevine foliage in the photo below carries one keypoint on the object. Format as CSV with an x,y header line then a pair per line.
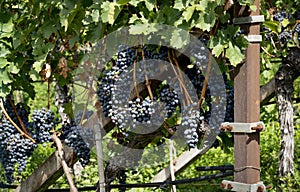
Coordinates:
x,y
47,40
37,33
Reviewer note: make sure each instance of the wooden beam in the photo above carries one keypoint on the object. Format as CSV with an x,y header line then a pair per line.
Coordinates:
x,y
267,92
182,161
46,174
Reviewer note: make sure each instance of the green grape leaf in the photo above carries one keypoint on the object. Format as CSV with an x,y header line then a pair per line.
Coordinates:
x,y
4,90
95,15
4,51
179,38
253,7
285,22
217,46
13,69
123,2
34,75
188,13
133,18
5,77
272,25
3,62
95,32
134,2
178,4
206,21
47,29
150,4
38,65
6,29
144,28
234,54
64,19
182,4
110,11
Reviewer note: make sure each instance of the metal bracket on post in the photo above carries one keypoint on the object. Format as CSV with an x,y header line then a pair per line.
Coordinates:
x,y
243,187
249,19
254,38
243,127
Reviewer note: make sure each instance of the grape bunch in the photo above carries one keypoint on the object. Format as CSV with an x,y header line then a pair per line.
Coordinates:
x,y
112,81
161,54
229,115
281,15
14,147
288,32
80,114
285,35
125,58
170,98
141,110
297,30
191,121
72,137
42,123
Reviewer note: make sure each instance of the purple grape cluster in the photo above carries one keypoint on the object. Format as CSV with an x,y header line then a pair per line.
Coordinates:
x,y
42,123
191,122
125,58
14,147
281,15
286,33
72,137
171,99
141,110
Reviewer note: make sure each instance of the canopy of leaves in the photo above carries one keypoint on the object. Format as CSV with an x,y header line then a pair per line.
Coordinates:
x,y
34,33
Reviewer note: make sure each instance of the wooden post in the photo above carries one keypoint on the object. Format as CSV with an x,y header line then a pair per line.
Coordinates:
x,y
100,160
247,109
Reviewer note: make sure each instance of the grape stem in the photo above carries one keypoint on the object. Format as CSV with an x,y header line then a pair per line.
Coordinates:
x,y
17,115
14,124
269,54
48,94
169,129
182,86
147,80
86,104
134,78
63,162
203,92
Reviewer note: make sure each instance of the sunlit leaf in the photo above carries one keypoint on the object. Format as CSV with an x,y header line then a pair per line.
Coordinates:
x,y
234,54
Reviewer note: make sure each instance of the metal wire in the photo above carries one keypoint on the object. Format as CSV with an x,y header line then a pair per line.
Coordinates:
x,y
138,185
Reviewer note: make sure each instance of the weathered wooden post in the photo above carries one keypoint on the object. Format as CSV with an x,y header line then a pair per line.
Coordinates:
x,y
247,111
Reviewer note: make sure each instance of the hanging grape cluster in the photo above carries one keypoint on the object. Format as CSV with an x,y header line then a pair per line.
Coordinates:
x,y
290,30
140,109
73,138
42,123
15,147
126,114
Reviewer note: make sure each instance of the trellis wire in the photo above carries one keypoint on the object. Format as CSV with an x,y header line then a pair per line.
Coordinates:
x,y
137,185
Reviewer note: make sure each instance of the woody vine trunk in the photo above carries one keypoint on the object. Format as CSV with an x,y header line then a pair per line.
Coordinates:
x,y
284,78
